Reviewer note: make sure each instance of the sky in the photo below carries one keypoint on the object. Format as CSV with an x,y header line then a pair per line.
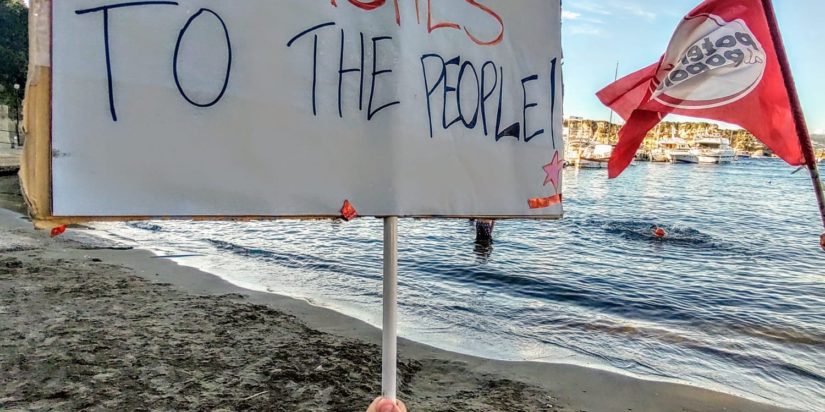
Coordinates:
x,y
596,34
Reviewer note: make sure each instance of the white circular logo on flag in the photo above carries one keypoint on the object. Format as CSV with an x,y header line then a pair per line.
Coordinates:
x,y
710,63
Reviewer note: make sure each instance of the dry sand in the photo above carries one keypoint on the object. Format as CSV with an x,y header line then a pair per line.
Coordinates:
x,y
90,328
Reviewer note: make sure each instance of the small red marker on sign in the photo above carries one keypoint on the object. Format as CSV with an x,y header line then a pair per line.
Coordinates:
x,y
348,211
544,202
57,231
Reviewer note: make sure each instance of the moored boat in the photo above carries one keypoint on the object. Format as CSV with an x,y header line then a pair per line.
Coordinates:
x,y
683,155
714,150
595,156
674,150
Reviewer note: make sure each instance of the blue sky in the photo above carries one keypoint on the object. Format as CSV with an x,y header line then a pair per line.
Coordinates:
x,y
635,33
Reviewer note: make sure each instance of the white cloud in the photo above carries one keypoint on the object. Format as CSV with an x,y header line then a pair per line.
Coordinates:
x,y
570,15
583,15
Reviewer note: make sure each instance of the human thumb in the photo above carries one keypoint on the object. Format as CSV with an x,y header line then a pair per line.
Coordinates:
x,y
386,406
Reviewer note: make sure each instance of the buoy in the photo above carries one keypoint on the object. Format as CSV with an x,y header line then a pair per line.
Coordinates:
x,y
659,233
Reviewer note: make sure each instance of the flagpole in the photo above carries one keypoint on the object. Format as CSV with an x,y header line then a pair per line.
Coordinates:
x,y
796,109
610,126
390,329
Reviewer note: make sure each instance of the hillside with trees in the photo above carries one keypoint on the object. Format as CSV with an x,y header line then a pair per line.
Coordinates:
x,y
14,55
603,132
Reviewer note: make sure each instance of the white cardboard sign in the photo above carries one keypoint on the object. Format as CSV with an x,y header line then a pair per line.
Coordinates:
x,y
287,108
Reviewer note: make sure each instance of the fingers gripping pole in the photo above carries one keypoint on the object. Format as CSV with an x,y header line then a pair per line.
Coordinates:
x,y
389,366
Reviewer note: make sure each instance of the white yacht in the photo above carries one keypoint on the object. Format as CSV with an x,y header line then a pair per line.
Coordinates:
x,y
683,154
715,150
674,150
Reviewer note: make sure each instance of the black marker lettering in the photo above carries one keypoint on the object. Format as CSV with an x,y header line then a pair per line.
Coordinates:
x,y
472,123
514,130
430,90
447,90
526,106
228,59
553,64
105,10
342,72
375,74
485,94
314,59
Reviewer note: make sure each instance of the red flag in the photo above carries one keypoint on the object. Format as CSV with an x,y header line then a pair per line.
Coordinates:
x,y
721,64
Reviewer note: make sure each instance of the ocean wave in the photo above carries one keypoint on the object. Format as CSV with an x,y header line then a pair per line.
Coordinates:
x,y
151,227
285,259
767,365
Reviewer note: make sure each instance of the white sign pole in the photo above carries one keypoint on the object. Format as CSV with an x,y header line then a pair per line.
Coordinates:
x,y
390,330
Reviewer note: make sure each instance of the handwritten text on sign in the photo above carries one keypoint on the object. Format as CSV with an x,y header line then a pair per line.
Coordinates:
x,y
226,108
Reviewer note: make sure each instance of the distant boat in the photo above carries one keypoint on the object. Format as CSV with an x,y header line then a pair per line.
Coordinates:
x,y
683,155
742,154
595,156
661,154
714,150
674,150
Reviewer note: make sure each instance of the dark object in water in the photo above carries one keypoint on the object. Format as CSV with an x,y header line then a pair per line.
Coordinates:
x,y
484,230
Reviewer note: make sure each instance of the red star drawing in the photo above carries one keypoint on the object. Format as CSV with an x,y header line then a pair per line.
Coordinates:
x,y
553,170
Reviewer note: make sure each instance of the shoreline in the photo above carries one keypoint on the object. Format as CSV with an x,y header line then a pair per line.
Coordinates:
x,y
428,373
329,319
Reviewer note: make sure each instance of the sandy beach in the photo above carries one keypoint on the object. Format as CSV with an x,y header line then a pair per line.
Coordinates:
x,y
84,326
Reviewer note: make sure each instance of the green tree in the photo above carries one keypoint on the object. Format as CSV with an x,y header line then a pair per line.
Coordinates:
x,y
14,50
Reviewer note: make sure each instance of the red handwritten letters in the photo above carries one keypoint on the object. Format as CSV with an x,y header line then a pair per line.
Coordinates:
x,y
432,22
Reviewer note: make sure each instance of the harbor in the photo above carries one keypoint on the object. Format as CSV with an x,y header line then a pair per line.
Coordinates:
x,y
589,144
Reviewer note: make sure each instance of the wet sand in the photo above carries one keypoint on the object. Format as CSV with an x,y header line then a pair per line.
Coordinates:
x,y
88,327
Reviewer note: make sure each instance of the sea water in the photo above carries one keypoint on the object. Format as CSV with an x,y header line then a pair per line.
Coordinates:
x,y
733,299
